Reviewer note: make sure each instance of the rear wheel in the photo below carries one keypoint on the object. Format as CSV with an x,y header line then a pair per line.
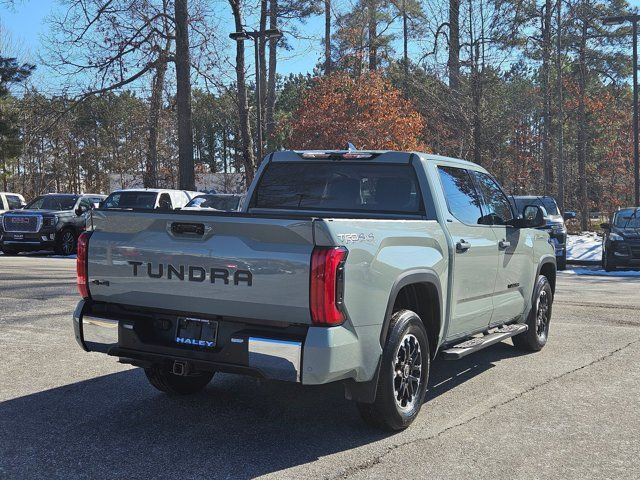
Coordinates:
x,y
66,242
535,338
162,378
403,375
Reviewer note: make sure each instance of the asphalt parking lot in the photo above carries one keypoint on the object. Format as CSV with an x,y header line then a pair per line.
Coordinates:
x,y
571,411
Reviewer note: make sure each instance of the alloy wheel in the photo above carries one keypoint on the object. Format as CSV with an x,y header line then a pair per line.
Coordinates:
x,y
407,369
542,315
68,243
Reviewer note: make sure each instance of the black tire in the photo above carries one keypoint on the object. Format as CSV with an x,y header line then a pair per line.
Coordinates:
x,y
162,378
561,262
66,242
535,338
10,251
607,263
399,395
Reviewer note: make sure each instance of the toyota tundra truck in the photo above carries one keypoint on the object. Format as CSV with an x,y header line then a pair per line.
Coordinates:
x,y
348,266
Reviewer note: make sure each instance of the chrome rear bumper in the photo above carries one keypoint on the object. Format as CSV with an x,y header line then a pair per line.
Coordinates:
x,y
275,359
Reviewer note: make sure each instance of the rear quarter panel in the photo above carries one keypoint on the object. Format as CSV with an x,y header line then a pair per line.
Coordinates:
x,y
380,252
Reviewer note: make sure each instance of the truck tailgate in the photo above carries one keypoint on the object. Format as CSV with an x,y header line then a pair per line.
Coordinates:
x,y
230,265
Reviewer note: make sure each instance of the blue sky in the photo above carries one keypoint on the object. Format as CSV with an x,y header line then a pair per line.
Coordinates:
x,y
26,24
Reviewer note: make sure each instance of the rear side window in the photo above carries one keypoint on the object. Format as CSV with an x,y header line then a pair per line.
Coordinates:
x,y
377,188
462,198
165,202
130,200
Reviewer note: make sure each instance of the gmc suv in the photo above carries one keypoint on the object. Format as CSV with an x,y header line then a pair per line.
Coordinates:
x,y
49,222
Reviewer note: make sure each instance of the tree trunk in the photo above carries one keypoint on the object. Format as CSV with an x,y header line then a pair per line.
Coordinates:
x,y
186,177
546,94
246,147
453,63
405,48
560,114
327,37
151,167
582,130
262,51
373,35
271,80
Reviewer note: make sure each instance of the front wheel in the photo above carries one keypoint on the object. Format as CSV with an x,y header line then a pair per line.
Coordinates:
x,y
162,378
562,261
66,242
404,371
607,263
535,338
10,251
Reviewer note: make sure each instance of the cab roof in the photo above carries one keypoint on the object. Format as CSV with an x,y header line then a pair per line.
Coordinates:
x,y
383,156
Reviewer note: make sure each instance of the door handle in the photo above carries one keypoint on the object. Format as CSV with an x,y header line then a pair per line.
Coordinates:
x,y
504,244
462,246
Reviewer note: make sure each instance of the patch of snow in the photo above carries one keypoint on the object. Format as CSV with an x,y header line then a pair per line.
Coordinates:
x,y
602,273
586,247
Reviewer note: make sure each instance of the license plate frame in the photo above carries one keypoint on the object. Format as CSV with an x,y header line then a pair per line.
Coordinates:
x,y
199,333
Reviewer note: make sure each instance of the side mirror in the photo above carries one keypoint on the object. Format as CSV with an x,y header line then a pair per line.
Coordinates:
x,y
606,227
569,215
22,205
533,217
100,204
81,210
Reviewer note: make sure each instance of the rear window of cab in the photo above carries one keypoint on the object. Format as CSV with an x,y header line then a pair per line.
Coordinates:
x,y
338,186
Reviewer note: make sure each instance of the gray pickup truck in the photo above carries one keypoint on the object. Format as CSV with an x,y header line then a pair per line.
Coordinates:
x,y
343,266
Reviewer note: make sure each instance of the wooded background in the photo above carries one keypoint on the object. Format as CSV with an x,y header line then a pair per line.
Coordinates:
x,y
535,91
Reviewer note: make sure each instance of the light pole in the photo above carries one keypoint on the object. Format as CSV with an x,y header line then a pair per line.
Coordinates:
x,y
617,20
257,38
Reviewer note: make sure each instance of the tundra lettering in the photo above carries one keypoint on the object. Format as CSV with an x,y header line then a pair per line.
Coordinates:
x,y
196,274
368,265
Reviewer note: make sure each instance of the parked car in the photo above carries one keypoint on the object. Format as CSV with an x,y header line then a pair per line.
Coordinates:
x,y
621,241
343,266
226,202
11,201
554,223
148,199
49,222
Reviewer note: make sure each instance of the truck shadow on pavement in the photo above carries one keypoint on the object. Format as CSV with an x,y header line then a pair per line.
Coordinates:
x,y
117,426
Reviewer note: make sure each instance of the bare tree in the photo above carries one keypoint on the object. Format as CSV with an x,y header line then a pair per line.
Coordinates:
x,y
246,147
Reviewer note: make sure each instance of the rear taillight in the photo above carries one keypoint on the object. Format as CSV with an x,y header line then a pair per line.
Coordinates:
x,y
327,285
81,264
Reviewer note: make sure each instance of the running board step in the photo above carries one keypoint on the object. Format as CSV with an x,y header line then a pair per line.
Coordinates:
x,y
478,343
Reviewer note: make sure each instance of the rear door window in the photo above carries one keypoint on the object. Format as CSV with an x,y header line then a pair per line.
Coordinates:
x,y
349,187
462,197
